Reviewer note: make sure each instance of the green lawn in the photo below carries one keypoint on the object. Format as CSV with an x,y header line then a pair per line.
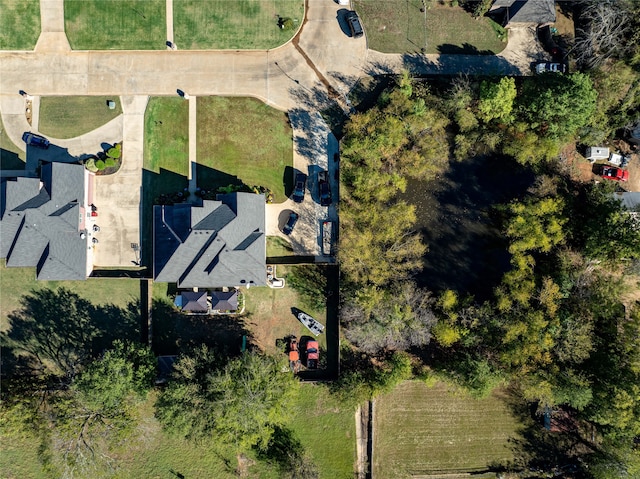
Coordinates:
x,y
277,246
268,314
166,157
71,116
16,282
11,157
242,140
19,24
326,428
421,430
115,24
237,24
398,26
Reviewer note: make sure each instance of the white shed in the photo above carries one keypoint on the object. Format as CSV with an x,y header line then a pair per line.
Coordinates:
x,y
597,153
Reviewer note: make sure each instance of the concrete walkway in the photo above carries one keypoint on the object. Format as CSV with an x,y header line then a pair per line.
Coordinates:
x,y
52,36
169,21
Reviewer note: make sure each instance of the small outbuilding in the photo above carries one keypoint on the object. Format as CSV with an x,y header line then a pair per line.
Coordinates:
x,y
192,302
224,300
597,153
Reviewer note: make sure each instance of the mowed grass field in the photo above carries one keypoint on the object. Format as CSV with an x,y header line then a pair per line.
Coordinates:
x,y
234,24
326,428
19,24
437,430
115,24
17,282
71,116
242,140
398,26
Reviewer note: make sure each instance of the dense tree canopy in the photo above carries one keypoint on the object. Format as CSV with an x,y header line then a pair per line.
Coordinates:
x,y
241,401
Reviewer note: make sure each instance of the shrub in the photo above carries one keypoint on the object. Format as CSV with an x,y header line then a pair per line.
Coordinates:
x,y
90,165
110,162
285,23
114,152
100,165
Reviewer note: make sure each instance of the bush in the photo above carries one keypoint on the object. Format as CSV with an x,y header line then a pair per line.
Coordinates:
x,y
110,162
100,165
114,152
286,23
90,165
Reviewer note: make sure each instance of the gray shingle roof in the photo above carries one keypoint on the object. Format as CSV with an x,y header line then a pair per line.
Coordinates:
x,y
40,222
193,301
221,243
224,300
528,11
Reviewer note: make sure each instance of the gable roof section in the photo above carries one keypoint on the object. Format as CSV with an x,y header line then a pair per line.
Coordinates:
x,y
221,243
527,11
40,222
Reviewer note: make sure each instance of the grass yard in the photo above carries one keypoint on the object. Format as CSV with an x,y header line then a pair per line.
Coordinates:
x,y
326,428
268,315
71,116
19,24
16,282
238,24
437,430
11,157
115,24
278,247
166,157
242,140
398,26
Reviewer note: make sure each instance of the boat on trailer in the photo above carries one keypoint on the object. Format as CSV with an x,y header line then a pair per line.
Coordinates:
x,y
312,325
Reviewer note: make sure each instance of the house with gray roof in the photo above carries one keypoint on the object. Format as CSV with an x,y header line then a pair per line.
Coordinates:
x,y
524,12
43,222
219,244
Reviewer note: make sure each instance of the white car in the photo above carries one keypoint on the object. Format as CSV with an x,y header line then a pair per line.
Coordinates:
x,y
543,67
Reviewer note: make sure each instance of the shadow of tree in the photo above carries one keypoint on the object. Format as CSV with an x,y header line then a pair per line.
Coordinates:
x,y
286,451
57,332
175,332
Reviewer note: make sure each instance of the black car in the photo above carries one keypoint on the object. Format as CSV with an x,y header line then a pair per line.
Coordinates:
x,y
35,140
354,24
298,191
325,188
293,219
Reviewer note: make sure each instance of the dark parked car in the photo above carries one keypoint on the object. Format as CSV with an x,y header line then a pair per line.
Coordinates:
x,y
354,24
293,219
298,191
35,140
325,188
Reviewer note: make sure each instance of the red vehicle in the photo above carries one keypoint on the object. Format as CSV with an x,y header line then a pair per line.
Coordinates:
x,y
614,173
294,356
312,353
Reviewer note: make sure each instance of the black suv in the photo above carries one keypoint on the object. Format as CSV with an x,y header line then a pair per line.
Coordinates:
x,y
35,140
325,189
298,191
354,24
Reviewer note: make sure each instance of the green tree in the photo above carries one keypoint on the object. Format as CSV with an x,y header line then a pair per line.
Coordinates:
x,y
497,99
241,402
557,106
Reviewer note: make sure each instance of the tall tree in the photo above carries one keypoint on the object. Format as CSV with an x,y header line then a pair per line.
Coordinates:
x,y
241,402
